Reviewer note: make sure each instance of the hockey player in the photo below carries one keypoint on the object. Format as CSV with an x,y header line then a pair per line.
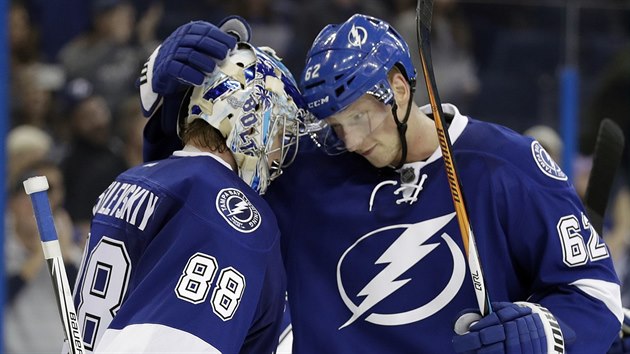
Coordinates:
x,y
183,255
372,247
396,275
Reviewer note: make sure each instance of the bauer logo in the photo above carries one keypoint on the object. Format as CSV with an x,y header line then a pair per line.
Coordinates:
x,y
545,163
237,210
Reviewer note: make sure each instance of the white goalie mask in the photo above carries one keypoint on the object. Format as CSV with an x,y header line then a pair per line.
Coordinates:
x,y
253,100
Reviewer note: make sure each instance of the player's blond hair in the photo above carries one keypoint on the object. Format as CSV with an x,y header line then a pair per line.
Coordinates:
x,y
202,135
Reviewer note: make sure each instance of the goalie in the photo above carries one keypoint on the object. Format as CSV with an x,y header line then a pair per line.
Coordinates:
x,y
183,255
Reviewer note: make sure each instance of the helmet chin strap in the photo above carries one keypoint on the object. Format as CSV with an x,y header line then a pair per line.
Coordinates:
x,y
401,126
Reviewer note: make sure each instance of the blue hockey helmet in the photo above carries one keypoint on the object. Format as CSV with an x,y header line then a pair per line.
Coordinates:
x,y
351,59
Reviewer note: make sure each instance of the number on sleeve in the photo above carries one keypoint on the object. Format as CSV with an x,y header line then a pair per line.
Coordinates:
x,y
103,288
596,247
228,293
195,281
575,250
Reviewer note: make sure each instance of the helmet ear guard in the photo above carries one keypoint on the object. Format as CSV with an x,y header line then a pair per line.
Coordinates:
x,y
254,102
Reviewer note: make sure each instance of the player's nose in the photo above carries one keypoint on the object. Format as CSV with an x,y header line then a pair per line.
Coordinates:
x,y
353,140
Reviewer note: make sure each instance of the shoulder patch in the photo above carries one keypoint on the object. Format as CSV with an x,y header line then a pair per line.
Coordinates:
x,y
545,163
237,210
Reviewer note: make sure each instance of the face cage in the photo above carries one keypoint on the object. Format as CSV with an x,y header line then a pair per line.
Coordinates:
x,y
324,135
292,130
286,128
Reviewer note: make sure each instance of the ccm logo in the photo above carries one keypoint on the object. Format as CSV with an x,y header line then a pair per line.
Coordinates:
x,y
318,102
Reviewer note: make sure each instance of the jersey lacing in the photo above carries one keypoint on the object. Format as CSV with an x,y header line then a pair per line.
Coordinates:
x,y
409,191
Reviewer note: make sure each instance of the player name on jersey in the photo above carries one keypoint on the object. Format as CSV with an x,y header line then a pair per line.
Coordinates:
x,y
128,202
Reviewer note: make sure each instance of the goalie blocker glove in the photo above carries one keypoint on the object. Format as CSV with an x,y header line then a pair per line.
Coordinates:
x,y
513,328
186,57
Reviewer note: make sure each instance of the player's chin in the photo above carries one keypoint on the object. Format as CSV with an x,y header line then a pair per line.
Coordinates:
x,y
378,162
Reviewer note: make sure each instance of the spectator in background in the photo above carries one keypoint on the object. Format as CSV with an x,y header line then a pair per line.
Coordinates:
x,y
22,37
93,158
26,144
32,82
32,92
549,139
109,55
31,316
451,49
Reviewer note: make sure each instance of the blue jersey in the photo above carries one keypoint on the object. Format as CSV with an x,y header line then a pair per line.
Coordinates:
x,y
375,260
183,256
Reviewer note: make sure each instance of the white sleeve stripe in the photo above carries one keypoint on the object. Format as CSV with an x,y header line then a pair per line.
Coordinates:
x,y
607,292
152,338
286,341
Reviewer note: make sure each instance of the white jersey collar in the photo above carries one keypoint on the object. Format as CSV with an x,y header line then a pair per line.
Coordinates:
x,y
191,151
455,130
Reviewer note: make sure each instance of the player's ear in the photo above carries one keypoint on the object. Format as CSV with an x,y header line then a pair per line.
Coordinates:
x,y
400,86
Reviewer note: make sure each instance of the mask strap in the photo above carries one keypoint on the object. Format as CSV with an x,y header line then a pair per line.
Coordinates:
x,y
402,127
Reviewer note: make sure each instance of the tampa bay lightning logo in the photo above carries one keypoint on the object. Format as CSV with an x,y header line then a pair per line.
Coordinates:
x,y
409,248
237,210
357,36
545,163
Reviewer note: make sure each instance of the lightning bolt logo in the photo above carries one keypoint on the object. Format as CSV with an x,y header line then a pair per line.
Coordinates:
x,y
239,208
357,36
403,254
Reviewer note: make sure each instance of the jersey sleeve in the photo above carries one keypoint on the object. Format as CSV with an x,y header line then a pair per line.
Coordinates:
x,y
563,259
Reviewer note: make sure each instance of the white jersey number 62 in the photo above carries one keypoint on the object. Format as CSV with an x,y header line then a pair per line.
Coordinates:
x,y
575,250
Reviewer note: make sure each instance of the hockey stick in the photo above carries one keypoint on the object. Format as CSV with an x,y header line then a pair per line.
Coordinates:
x,y
606,159
424,14
37,188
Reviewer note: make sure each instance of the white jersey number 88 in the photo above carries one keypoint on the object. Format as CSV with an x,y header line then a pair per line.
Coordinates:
x,y
196,280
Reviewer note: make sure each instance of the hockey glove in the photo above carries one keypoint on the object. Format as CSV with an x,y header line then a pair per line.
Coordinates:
x,y
186,56
513,328
182,60
622,344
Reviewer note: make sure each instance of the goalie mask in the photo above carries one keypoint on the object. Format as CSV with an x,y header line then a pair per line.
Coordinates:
x,y
253,100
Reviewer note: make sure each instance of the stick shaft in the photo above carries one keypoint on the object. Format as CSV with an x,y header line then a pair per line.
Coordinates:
x,y
37,188
424,14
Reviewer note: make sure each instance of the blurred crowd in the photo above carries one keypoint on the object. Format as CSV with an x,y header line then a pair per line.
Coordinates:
x,y
75,115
